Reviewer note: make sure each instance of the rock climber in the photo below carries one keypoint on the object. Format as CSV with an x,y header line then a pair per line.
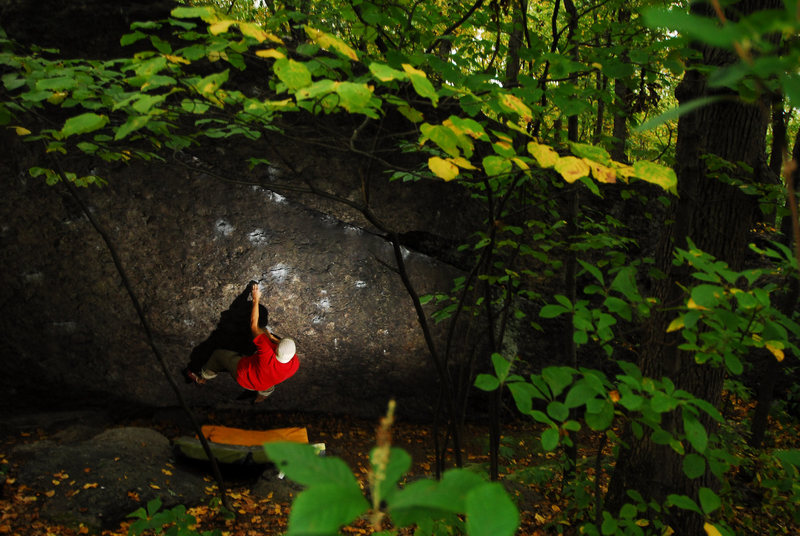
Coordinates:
x,y
274,361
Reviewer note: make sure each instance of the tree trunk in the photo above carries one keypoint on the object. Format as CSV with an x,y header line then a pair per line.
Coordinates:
x,y
772,367
717,218
622,98
515,43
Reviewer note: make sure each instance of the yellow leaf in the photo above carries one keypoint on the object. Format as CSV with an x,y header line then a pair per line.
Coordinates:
x,y
711,530
691,304
776,349
168,473
614,396
57,97
521,164
220,27
90,485
50,493
515,105
21,131
462,162
412,114
328,42
443,168
545,155
270,53
176,59
675,325
539,518
154,486
624,172
602,173
251,30
572,168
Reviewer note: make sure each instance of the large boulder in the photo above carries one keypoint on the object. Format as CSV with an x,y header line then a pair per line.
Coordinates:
x,y
190,243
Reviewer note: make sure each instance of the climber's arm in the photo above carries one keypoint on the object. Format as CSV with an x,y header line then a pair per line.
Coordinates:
x,y
256,331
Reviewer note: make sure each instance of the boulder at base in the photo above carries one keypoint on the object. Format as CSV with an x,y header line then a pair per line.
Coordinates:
x,y
100,481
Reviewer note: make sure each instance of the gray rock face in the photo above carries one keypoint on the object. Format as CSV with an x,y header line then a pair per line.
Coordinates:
x,y
101,480
190,244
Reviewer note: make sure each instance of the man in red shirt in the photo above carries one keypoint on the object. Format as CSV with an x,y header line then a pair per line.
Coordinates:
x,y
275,360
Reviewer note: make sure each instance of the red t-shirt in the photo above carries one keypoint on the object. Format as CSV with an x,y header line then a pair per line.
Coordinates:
x,y
262,370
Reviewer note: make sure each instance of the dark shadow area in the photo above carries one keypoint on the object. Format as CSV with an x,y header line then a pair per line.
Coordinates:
x,y
232,331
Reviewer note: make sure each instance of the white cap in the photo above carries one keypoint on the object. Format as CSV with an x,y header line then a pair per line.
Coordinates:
x,y
286,350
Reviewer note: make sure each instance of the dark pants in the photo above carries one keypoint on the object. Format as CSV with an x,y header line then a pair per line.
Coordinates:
x,y
222,361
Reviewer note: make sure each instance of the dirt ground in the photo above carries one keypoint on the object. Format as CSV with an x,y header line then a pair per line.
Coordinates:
x,y
347,438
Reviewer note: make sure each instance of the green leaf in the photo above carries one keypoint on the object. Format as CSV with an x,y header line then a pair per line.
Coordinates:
x,y
733,363
58,83
625,284
81,124
558,411
579,394
790,82
523,394
602,419
292,73
550,439
323,508
662,402
552,311
502,366
656,174
193,12
384,73
300,463
490,511
496,165
354,98
695,432
134,122
592,269
705,29
616,69
449,494
558,378
421,84
592,152
694,465
709,501
683,502
445,138
619,307
131,38
486,382
675,113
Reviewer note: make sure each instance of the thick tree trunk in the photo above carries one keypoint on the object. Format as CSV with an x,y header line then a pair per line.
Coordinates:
x,y
717,218
622,99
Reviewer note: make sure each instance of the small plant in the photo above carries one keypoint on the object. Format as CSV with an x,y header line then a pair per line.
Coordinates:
x,y
175,522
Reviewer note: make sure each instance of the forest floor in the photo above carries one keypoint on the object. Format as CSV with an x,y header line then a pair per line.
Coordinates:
x,y
537,485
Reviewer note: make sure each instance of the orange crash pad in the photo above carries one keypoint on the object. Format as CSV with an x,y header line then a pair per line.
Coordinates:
x,y
253,438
